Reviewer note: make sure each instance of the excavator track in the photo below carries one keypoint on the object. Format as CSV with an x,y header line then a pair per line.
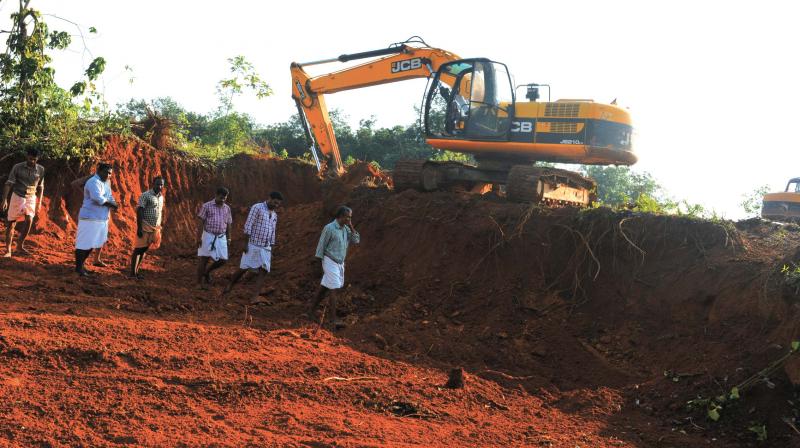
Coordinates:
x,y
407,175
551,186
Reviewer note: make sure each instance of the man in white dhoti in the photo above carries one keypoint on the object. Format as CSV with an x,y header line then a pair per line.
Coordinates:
x,y
262,221
332,251
98,201
215,236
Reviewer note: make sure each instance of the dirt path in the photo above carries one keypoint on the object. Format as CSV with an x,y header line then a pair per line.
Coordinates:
x,y
82,365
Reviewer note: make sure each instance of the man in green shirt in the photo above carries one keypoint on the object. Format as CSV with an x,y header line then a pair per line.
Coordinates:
x,y
25,184
332,251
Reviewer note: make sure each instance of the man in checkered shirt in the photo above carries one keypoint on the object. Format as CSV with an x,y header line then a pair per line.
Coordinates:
x,y
148,224
262,221
215,236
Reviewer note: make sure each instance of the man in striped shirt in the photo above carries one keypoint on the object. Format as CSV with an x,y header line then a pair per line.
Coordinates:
x,y
262,221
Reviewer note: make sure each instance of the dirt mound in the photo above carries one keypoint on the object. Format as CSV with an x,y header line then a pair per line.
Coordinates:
x,y
590,328
566,300
363,173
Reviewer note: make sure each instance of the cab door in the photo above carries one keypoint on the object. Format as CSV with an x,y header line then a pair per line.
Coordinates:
x,y
471,100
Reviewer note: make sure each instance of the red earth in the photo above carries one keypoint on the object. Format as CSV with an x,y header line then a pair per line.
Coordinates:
x,y
574,328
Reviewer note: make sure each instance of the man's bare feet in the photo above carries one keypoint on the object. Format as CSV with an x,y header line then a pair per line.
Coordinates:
x,y
22,249
7,254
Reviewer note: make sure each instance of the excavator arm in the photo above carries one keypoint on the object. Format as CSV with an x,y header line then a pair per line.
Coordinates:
x,y
396,63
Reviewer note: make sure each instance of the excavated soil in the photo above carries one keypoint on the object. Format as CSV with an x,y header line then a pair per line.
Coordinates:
x,y
574,328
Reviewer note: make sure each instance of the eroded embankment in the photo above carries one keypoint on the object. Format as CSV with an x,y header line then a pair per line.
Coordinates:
x,y
585,310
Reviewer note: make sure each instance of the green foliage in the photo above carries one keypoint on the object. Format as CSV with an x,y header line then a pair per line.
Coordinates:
x,y
34,110
734,395
714,406
368,142
648,204
619,185
760,432
228,129
791,277
751,202
713,411
243,75
216,152
450,156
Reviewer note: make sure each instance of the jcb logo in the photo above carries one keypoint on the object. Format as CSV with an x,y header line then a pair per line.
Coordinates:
x,y
404,66
522,126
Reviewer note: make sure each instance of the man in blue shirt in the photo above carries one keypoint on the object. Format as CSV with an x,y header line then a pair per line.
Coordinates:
x,y
332,250
98,201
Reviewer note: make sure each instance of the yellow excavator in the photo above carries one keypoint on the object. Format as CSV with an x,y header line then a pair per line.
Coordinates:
x,y
470,106
783,206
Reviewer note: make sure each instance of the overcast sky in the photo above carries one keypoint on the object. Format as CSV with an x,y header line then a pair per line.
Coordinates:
x,y
712,86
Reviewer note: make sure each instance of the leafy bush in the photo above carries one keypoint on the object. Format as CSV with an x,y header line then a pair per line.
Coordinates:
x,y
34,110
751,202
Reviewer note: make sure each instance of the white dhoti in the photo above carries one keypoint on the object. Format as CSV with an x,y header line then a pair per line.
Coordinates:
x,y
19,207
92,234
333,277
256,257
213,246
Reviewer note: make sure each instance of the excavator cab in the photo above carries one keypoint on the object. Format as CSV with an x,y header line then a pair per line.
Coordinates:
x,y
470,99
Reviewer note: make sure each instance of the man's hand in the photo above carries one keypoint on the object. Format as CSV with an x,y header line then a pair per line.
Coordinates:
x,y
316,266
5,205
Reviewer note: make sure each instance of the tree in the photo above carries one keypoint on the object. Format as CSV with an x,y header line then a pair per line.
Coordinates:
x,y
751,202
230,129
618,185
33,108
243,75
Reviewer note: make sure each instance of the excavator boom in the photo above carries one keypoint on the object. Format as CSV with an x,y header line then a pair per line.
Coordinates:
x,y
397,63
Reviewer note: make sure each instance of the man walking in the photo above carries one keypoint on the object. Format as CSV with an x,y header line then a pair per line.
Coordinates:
x,y
215,236
25,184
98,201
262,221
78,184
332,250
148,224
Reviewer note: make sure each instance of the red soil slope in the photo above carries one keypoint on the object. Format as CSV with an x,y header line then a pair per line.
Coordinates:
x,y
565,323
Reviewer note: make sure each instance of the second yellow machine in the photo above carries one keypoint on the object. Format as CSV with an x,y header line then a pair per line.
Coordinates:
x,y
471,107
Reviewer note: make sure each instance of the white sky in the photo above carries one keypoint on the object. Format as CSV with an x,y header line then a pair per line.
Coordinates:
x,y
712,85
